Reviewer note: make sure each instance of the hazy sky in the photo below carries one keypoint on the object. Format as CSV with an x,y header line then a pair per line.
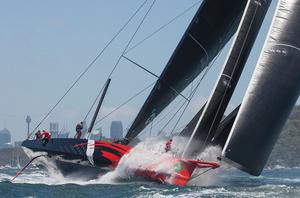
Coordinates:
x,y
45,45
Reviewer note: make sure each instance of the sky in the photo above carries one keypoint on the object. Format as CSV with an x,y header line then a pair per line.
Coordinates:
x,y
46,45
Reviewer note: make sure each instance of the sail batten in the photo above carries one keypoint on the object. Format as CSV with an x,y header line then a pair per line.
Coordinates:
x,y
211,28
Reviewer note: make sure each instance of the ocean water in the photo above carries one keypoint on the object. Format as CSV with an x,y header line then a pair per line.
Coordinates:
x,y
35,182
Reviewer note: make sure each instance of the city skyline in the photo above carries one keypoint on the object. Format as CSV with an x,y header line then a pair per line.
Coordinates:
x,y
46,46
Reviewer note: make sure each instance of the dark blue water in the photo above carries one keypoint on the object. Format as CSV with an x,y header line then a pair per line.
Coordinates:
x,y
281,182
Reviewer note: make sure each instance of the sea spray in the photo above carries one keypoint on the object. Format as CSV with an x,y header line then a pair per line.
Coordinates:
x,y
210,177
147,154
151,155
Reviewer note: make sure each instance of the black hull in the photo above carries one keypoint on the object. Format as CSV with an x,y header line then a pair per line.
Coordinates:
x,y
70,155
83,172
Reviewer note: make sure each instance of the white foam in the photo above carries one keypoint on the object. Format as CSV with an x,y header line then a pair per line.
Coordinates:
x,y
212,177
147,153
151,152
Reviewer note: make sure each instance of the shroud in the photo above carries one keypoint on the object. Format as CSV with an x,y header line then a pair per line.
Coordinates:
x,y
212,26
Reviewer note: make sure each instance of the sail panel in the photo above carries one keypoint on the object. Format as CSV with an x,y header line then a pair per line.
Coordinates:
x,y
213,25
271,95
218,101
224,128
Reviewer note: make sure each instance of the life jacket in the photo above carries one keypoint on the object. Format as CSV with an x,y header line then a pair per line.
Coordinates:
x,y
46,135
168,145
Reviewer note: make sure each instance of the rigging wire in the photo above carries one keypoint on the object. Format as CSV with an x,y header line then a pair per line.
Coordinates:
x,y
173,116
163,26
126,47
119,59
169,112
194,91
131,39
190,97
88,67
202,173
188,101
230,79
153,74
150,129
133,47
124,103
168,122
89,111
140,66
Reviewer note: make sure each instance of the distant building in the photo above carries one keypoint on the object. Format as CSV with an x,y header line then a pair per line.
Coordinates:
x,y
5,139
116,130
54,129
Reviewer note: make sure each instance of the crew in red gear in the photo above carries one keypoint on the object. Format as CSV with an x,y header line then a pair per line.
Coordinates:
x,y
46,136
168,145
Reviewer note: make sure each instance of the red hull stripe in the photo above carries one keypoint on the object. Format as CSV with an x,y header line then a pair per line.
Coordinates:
x,y
112,147
113,158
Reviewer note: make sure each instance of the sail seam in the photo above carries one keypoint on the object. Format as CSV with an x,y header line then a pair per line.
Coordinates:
x,y
227,76
196,41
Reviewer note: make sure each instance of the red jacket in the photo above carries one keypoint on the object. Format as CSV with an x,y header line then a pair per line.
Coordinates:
x,y
46,135
168,145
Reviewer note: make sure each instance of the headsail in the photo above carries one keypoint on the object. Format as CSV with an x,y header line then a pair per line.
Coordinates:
x,y
211,28
218,101
222,132
224,128
271,95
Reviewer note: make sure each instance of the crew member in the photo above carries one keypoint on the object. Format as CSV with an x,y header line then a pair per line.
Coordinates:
x,y
79,127
117,141
168,145
38,135
46,136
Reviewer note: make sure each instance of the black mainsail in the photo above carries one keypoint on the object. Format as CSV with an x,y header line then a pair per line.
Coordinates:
x,y
213,25
271,95
218,101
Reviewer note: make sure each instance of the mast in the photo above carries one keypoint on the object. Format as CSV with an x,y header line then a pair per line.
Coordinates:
x,y
99,105
212,26
218,101
271,95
